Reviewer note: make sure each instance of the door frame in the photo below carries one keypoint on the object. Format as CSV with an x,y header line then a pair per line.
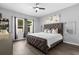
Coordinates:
x,y
16,23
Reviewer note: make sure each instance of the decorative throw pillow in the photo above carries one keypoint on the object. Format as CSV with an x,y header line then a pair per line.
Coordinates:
x,y
54,31
49,31
46,30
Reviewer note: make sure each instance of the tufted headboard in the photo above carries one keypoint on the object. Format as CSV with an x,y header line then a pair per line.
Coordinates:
x,y
54,26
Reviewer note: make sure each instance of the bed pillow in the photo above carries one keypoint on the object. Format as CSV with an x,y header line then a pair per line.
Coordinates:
x,y
49,31
46,30
54,31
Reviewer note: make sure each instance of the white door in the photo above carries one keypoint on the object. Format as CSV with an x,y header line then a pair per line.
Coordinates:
x,y
20,28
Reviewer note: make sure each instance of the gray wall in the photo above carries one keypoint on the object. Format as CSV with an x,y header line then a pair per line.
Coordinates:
x,y
9,14
68,15
37,25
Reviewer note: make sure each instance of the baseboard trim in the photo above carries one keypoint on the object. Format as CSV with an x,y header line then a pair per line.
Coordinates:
x,y
71,43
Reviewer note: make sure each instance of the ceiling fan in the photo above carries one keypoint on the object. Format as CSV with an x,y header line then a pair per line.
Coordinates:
x,y
37,8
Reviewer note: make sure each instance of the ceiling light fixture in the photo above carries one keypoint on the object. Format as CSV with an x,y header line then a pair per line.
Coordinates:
x,y
36,10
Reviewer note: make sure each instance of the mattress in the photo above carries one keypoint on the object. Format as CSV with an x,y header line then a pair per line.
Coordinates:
x,y
50,37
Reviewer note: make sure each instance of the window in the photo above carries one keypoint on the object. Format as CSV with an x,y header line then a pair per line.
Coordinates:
x,y
20,25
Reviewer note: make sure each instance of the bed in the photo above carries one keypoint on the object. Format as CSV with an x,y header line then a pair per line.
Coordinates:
x,y
44,41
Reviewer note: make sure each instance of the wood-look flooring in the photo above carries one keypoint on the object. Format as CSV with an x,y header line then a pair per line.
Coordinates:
x,y
23,48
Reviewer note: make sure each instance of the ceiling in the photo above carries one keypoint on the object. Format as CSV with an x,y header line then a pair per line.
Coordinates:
x,y
27,8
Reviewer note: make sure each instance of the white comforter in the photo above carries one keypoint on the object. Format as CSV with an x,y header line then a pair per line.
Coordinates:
x,y
51,38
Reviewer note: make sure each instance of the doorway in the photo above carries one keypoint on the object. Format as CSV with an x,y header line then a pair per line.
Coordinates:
x,y
20,28
23,27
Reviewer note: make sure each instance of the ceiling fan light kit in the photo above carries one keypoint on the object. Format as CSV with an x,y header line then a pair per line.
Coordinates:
x,y
36,10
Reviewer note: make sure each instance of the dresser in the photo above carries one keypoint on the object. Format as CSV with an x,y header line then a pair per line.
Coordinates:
x,y
5,43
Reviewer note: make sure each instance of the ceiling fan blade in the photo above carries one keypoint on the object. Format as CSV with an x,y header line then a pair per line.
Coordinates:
x,y
42,8
34,7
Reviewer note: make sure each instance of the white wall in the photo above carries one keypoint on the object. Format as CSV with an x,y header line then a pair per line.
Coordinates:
x,y
8,14
70,14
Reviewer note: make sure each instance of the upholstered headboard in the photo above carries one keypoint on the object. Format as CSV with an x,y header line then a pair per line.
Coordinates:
x,y
54,26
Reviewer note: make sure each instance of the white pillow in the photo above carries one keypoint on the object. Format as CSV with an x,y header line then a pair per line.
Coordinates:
x,y
54,31
49,31
46,30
